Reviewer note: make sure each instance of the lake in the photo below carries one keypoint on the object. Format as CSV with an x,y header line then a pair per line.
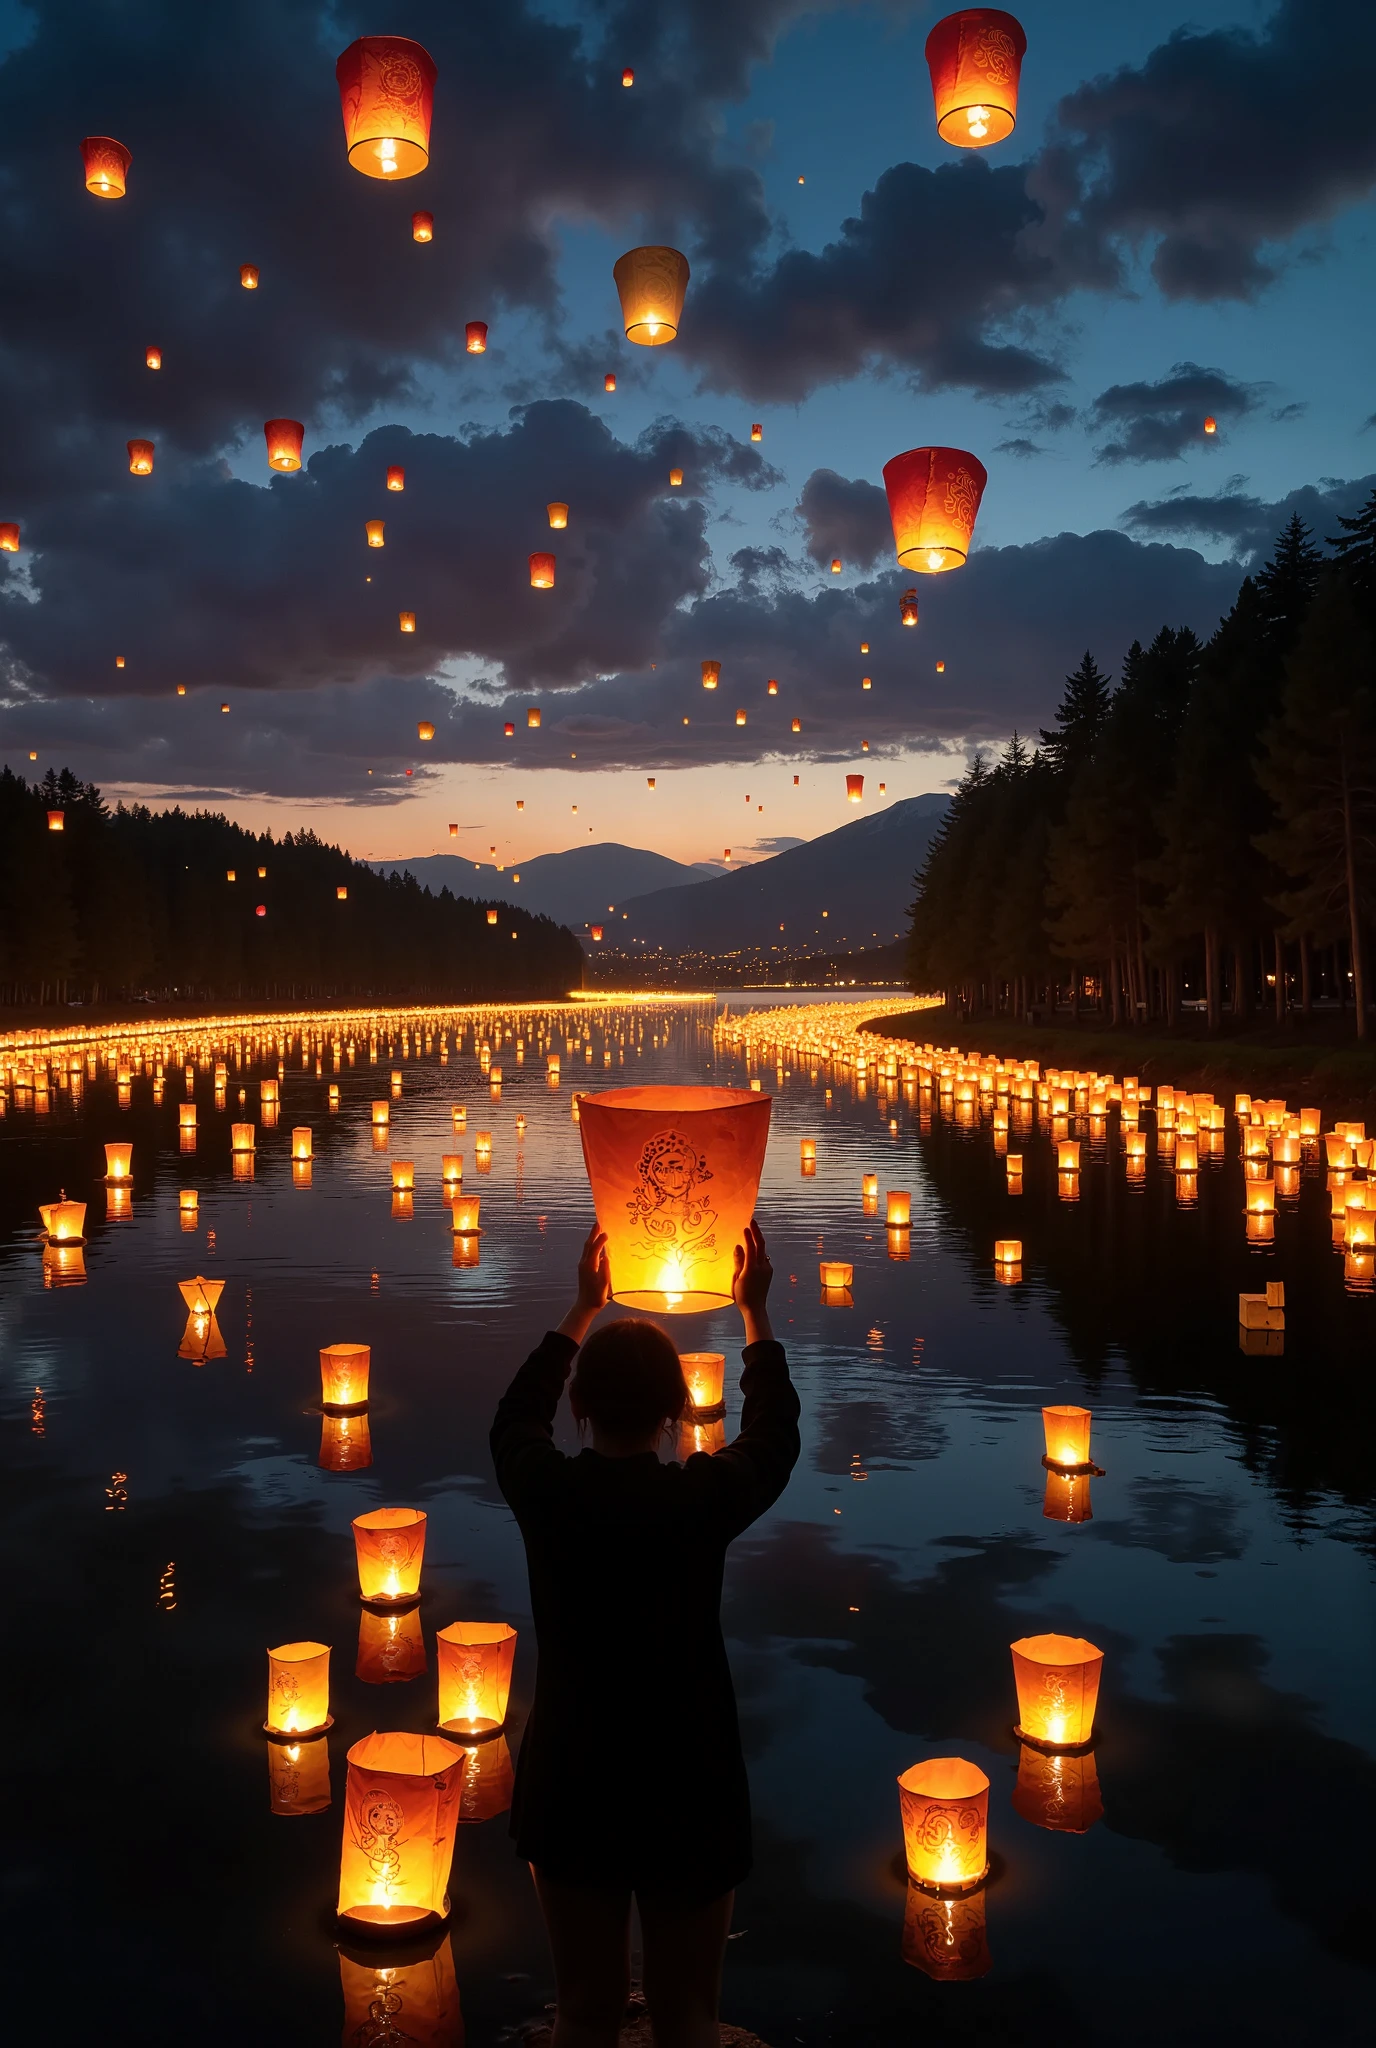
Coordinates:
x,y
1201,1875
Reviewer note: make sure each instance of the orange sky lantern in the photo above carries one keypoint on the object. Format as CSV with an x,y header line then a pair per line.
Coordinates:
x,y
797,727
855,789
675,478
975,59
492,917
628,76
1211,425
740,720
941,668
153,358
9,537
140,458
533,718
509,729
651,282
376,530
542,572
772,687
341,893
425,730
406,622
474,1660
609,381
401,1811
475,337
248,276
106,165
422,227
386,95
454,831
57,821
934,497
711,674
396,477
557,513
595,930
284,438
757,431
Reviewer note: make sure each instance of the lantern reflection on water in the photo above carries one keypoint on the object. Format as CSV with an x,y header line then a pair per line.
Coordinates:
x,y
945,1808
64,1265
1057,1679
1067,1497
344,1376
488,1780
391,1646
299,1776
695,1436
390,1548
401,1805
346,1443
946,1937
201,1340
406,2000
299,1690
705,1373
674,1175
1056,1791
474,1662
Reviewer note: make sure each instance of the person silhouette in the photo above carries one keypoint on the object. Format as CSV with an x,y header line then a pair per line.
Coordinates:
x,y
631,1782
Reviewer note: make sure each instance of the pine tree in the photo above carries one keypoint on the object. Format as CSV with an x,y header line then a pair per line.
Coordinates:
x,y
1286,585
1080,718
1355,548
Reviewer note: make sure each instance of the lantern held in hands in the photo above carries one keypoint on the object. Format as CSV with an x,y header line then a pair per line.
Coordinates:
x,y
945,1807
934,497
344,1377
474,1661
298,1690
386,94
106,166
390,1546
975,59
651,283
705,1373
401,1809
1058,1686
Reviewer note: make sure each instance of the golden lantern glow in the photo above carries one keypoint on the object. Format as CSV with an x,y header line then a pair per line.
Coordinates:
x,y
406,2000
533,717
1261,1197
711,674
557,513
1186,1155
202,1296
376,530
386,95
474,1660
740,718
188,1208
341,894
797,727
595,931
118,1161
1068,1155
836,565
242,1138
1210,425
651,282
64,1221
284,438
390,1548
451,1168
482,1140
835,1273
975,59
57,821
705,1373
675,478
422,227
628,76
382,1111
105,164
695,1435
248,276
475,337
898,1205
609,381
299,1776
492,917
140,458
869,1187
401,1809
1057,1791
1066,1429
807,1151
406,621
1057,1678
346,1443
396,477
391,1646
465,1212
674,1175
425,730
344,1376
945,1808
9,545
542,572
403,1176
855,789
946,1938
907,608
299,1690
934,497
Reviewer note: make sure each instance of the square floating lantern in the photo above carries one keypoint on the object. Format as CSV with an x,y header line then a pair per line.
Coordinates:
x,y
401,1810
807,1153
835,1273
482,1144
186,1117
705,1373
1261,1197
674,1175
474,1661
344,1377
382,1112
301,1142
118,1162
63,1221
403,1176
1007,1251
391,1646
946,1938
1057,1678
242,1138
1057,1791
1066,1430
299,1690
451,1168
390,1547
1068,1155
346,1443
1258,1312
465,1211
299,1776
945,1808
898,1207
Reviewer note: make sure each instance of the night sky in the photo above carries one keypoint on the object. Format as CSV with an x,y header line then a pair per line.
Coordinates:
x,y
1181,225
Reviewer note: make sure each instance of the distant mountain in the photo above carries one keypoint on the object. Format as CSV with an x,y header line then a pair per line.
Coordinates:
x,y
574,887
851,887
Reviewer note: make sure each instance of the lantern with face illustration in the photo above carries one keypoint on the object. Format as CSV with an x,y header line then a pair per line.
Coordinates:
x,y
975,59
651,283
386,95
299,1690
401,1809
390,1547
474,1659
934,496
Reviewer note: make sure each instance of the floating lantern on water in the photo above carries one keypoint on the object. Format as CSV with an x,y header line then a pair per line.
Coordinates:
x,y
390,1547
118,1162
346,1442
934,496
1263,1311
1068,1155
1057,1678
1261,1197
344,1377
301,1143
807,1155
242,1138
284,439
835,1273
386,95
299,1690
946,1938
705,1373
465,1213
975,59
382,1111
651,283
186,1117
945,1808
391,1647
202,1340
451,1168
202,1296
474,1660
140,458
64,1221
401,1805
898,1206
422,227
403,1176
1056,1791
1007,1251
475,338
299,1776
542,572
869,1186
674,1175
1066,1429
105,164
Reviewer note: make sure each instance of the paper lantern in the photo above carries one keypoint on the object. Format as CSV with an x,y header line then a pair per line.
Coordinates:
x,y
248,276
1007,1251
1066,1430
57,821
609,382
9,545
105,163
807,1151
64,1221
651,283
557,513
674,1175
242,1138
533,718
202,1296
400,1813
711,674
705,1373
284,438
509,730
934,496
941,668
836,565
301,1143
390,1546
341,894
118,1161
595,931
869,1187
628,76
140,458
492,917
542,572
376,530
975,59
299,1776
740,720
482,1140
344,1376
946,1938
405,2000
835,1273
465,1213
382,1111
475,337
391,1646
1056,1791
898,1209
299,1690
1210,425
386,94
1057,1678
1068,1155
945,1808
425,730
474,1660
675,478
403,1176
1261,1198
422,227
451,1168
855,788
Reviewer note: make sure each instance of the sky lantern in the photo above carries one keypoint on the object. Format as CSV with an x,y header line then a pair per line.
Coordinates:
x,y
941,668
542,572
425,730
674,1175
140,458
396,477
907,608
153,358
9,537
454,830
609,381
740,720
757,431
492,917
1211,425
651,282
595,930
628,76
341,893
401,1811
975,58
509,729
474,1660
558,514
533,718
855,789
649,781
376,530
406,622
836,565
298,1690
797,726
57,821
389,1544
934,496
422,227
711,674
284,438
248,276
386,94
475,337
772,687
1058,1688
945,1807
675,478
106,164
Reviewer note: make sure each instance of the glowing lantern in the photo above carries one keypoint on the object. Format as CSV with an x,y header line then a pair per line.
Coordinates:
x,y
533,719
474,1662
106,165
1058,1686
595,931
140,458
835,1273
202,1296
492,917
425,730
836,565
403,1176
64,1221
558,514
934,496
855,788
797,727
396,477
674,1175
422,227
188,1205
407,623
772,687
118,1161
1068,1155
451,1167
740,720
153,358
711,674
299,1690
453,831
1261,1198
509,732
542,572
898,1209
464,1215
401,1809
1211,425
346,1445
628,76
609,382
807,1152
975,58
651,283
341,893
869,1187
945,1808
186,1116
907,608
284,438
9,545
248,276
57,821
705,1372
344,1377
1066,1430
941,668
946,1938
675,478
386,92
1056,1791
390,1547
299,1776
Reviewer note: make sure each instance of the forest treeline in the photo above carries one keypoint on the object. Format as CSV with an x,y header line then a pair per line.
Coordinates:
x,y
1202,831
133,902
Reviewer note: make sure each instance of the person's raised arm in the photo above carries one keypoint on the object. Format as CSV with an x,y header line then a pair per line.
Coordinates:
x,y
522,1436
748,1475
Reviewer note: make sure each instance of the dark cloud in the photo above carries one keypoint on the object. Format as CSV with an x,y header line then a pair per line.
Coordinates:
x,y
1158,422
844,516
1248,523
1020,447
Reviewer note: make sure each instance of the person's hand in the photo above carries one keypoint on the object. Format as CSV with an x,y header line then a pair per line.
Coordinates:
x,y
594,1286
750,1284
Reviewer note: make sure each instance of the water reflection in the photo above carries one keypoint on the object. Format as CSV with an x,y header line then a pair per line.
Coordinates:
x,y
407,1997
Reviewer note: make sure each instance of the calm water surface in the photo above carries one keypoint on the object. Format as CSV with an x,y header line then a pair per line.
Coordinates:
x,y
166,1520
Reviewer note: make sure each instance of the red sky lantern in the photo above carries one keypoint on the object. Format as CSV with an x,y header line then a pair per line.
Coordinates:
x,y
628,76
386,95
934,498
140,458
106,164
509,730
153,358
975,58
248,276
475,337
855,788
757,431
609,381
542,572
422,227
57,821
284,438
260,910
396,477
1211,425
9,537
596,930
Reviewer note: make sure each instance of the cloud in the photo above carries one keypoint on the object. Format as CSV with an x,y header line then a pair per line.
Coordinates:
x,y
1019,447
1158,422
844,516
1250,524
